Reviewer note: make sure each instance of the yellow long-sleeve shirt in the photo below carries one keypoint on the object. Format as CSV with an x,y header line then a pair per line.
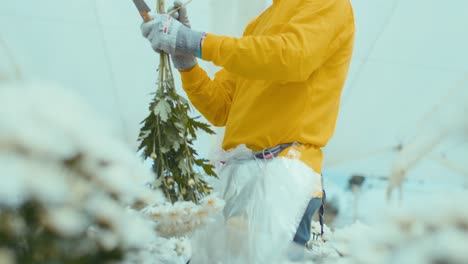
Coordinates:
x,y
282,81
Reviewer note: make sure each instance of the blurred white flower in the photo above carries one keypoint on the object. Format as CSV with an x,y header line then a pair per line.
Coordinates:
x,y
66,221
57,153
6,256
183,218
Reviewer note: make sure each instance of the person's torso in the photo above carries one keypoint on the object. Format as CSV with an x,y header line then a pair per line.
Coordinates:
x,y
267,113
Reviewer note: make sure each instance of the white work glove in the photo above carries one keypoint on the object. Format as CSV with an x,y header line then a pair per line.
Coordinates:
x,y
169,35
183,61
181,14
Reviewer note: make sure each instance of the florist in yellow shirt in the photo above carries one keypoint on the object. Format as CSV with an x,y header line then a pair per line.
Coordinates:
x,y
278,94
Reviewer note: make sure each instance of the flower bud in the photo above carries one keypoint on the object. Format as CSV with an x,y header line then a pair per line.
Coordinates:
x,y
170,180
191,183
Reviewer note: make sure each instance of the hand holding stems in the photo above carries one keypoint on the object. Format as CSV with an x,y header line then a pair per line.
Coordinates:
x,y
179,12
172,34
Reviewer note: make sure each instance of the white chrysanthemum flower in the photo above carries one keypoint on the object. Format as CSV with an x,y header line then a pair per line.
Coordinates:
x,y
54,151
6,256
66,221
183,218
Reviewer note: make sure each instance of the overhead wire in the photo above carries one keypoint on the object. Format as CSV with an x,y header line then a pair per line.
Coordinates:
x,y
353,85
361,156
453,166
434,67
397,148
111,71
365,61
13,62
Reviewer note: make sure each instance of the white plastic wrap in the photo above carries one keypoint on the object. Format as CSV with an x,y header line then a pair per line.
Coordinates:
x,y
265,200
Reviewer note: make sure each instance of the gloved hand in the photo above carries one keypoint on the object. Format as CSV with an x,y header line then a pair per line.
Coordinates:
x,y
181,14
169,35
183,61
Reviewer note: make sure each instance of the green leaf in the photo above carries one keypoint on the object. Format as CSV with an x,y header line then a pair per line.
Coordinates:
x,y
209,169
179,126
162,109
176,145
203,126
182,165
164,149
144,134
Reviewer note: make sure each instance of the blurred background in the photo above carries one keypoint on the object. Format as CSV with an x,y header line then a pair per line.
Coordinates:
x,y
403,108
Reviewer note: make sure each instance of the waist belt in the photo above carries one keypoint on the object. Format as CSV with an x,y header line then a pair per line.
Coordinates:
x,y
272,152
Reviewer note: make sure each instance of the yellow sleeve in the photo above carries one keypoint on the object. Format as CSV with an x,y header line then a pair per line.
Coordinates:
x,y
291,54
211,97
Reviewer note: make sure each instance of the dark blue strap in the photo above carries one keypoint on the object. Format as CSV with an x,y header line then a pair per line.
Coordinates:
x,y
322,211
